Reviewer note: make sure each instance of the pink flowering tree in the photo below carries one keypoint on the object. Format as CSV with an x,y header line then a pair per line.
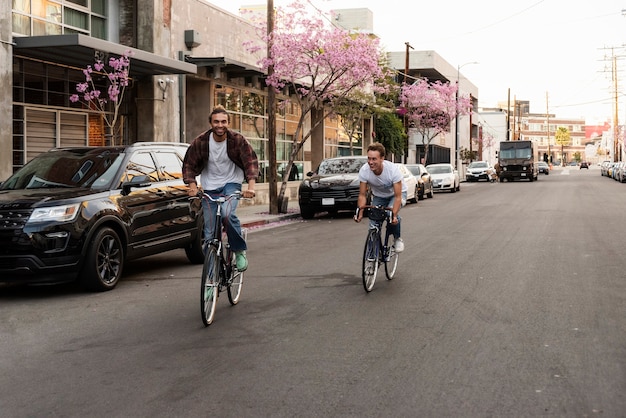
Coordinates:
x,y
117,79
319,63
431,107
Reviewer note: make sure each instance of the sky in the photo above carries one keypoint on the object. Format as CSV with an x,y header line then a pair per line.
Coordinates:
x,y
557,54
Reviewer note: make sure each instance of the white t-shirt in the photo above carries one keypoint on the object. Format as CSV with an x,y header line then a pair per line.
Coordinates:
x,y
220,169
382,185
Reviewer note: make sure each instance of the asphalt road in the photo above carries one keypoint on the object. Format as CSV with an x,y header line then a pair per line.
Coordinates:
x,y
509,301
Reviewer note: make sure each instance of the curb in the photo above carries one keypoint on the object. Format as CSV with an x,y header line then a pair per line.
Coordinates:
x,y
269,219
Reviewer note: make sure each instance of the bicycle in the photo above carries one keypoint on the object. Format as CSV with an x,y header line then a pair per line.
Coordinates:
x,y
375,252
219,271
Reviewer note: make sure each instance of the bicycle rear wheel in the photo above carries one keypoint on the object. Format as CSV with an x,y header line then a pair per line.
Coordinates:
x,y
210,285
370,260
391,258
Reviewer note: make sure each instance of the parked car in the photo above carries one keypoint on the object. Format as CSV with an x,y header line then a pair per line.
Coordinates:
x,y
584,164
479,170
604,167
424,181
334,186
618,170
543,167
83,212
411,183
445,177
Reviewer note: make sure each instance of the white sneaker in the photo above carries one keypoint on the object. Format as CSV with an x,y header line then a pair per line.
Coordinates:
x,y
399,245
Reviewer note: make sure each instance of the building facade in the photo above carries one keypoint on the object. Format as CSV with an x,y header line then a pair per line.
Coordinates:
x,y
186,56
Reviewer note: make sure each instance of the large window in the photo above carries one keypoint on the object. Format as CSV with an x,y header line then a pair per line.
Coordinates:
x,y
56,17
44,117
248,115
337,143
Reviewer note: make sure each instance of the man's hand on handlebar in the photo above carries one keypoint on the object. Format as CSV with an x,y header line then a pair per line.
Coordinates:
x,y
193,190
358,215
248,194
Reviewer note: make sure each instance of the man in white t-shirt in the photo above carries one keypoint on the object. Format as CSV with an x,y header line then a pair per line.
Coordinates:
x,y
386,183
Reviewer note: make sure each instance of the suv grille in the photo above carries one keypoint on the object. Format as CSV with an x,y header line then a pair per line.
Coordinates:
x,y
13,219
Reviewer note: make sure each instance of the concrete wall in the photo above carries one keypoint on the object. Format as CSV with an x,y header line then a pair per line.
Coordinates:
x,y
222,33
6,91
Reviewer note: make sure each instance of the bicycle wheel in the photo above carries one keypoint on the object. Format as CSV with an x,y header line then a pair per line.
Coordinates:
x,y
370,260
391,258
210,283
236,276
235,281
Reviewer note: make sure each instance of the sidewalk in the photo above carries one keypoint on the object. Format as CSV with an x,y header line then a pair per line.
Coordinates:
x,y
258,215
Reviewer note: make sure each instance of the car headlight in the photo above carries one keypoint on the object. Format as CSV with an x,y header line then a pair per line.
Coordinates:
x,y
63,213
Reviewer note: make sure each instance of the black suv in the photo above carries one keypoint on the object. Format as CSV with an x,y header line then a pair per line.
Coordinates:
x,y
80,213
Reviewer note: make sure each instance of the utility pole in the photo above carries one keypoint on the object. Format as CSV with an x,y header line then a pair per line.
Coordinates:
x,y
508,116
617,155
405,120
548,130
271,115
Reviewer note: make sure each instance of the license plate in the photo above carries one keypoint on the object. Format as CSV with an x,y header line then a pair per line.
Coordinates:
x,y
328,201
523,174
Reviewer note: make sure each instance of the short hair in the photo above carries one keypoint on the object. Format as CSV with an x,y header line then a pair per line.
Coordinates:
x,y
377,146
218,109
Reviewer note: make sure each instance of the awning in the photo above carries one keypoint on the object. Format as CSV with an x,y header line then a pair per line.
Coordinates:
x,y
78,50
232,67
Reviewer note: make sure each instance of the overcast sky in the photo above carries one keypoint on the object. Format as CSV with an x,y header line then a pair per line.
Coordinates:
x,y
561,48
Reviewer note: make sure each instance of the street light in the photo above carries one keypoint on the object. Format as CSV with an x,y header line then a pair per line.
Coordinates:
x,y
456,120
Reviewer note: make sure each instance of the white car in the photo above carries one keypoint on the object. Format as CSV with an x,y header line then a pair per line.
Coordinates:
x,y
480,170
445,177
411,183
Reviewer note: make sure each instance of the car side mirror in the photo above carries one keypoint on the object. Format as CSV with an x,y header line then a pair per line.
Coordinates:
x,y
137,181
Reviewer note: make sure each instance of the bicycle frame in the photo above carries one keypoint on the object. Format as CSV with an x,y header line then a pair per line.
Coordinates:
x,y
377,250
218,271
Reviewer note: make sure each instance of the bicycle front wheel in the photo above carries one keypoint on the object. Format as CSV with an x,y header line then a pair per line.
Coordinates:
x,y
210,285
236,277
234,283
370,260
391,258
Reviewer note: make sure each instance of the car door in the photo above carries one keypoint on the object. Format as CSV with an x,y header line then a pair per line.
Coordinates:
x,y
146,209
179,221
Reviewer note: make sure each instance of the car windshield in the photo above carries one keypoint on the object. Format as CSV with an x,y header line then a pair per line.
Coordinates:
x,y
414,169
439,169
478,165
77,167
341,166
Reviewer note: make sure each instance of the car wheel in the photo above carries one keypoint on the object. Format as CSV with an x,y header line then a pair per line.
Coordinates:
x,y
193,250
104,261
430,194
306,213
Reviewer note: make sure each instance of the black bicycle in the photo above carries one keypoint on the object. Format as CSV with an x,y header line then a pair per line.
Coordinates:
x,y
219,271
376,251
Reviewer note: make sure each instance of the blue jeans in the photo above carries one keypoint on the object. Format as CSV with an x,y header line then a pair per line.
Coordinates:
x,y
229,219
388,202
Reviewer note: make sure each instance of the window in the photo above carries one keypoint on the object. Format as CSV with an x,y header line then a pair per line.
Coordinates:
x,y
170,165
141,164
56,17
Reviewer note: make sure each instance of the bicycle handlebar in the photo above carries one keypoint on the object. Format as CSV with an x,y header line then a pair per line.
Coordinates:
x,y
220,199
385,208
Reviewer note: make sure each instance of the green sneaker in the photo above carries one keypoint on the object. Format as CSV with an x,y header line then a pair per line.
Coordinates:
x,y
241,262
